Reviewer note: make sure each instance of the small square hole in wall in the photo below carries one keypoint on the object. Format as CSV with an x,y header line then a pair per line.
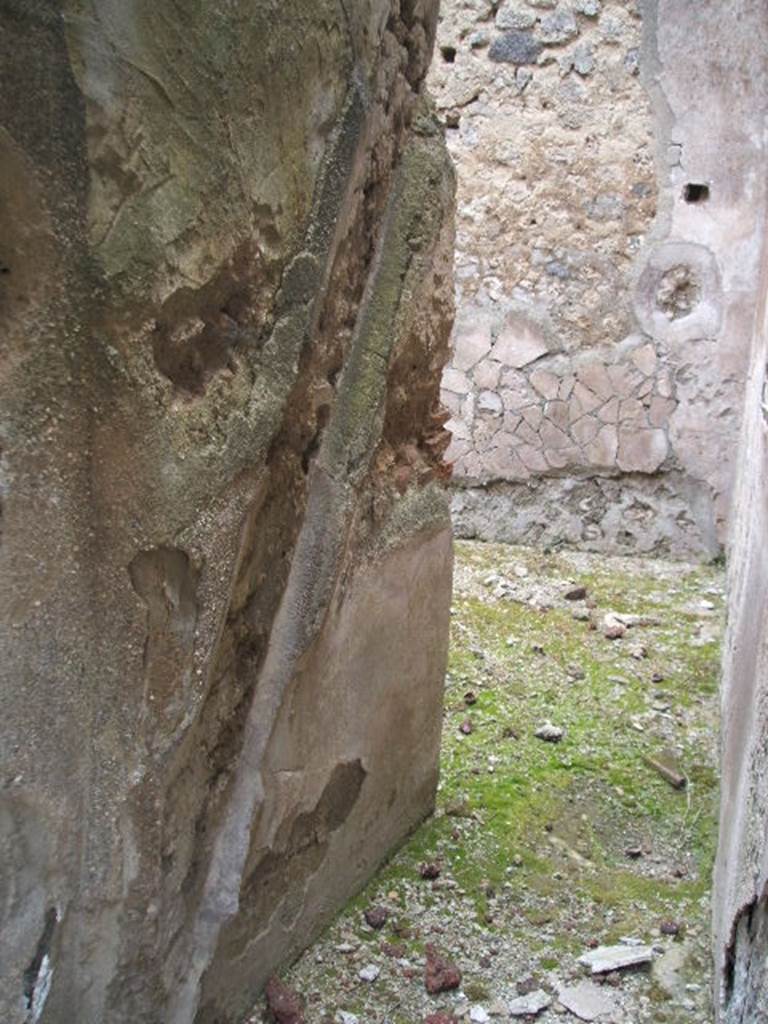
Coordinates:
x,y
448,53
696,192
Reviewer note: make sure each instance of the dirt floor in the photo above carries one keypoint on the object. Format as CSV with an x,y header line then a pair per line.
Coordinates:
x,y
545,847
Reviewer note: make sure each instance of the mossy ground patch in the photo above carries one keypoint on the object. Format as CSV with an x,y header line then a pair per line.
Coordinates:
x,y
545,846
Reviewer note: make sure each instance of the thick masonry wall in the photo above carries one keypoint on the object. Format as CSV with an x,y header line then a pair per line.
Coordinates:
x,y
741,876
226,237
595,382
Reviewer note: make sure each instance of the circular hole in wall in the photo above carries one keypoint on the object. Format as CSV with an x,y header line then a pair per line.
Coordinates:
x,y
448,54
679,291
679,295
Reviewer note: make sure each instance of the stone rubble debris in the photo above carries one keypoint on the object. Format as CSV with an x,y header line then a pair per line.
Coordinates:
x,y
376,917
588,1001
549,733
498,1008
615,958
530,1005
615,624
283,1005
440,973
613,627
369,973
429,870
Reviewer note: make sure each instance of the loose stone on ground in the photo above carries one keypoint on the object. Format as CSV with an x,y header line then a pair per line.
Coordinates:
x,y
587,1001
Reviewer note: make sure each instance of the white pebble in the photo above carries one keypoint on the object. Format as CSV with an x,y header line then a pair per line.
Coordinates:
x,y
369,973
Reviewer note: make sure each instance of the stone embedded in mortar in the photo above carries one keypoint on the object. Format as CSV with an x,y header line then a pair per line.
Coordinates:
x,y
594,375
645,359
660,411
489,401
546,383
557,412
624,379
632,61
533,415
604,449
456,381
583,59
515,48
472,343
585,429
487,374
641,451
532,457
587,400
607,206
558,27
519,342
589,8
609,413
512,16
478,40
632,412
612,29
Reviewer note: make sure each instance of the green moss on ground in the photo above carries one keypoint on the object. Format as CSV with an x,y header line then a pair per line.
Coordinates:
x,y
533,836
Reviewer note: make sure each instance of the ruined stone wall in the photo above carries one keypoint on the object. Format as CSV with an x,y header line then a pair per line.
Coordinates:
x,y
225,301
594,385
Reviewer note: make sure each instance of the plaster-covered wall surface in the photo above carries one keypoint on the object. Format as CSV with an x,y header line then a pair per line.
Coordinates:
x,y
741,877
225,302
605,247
